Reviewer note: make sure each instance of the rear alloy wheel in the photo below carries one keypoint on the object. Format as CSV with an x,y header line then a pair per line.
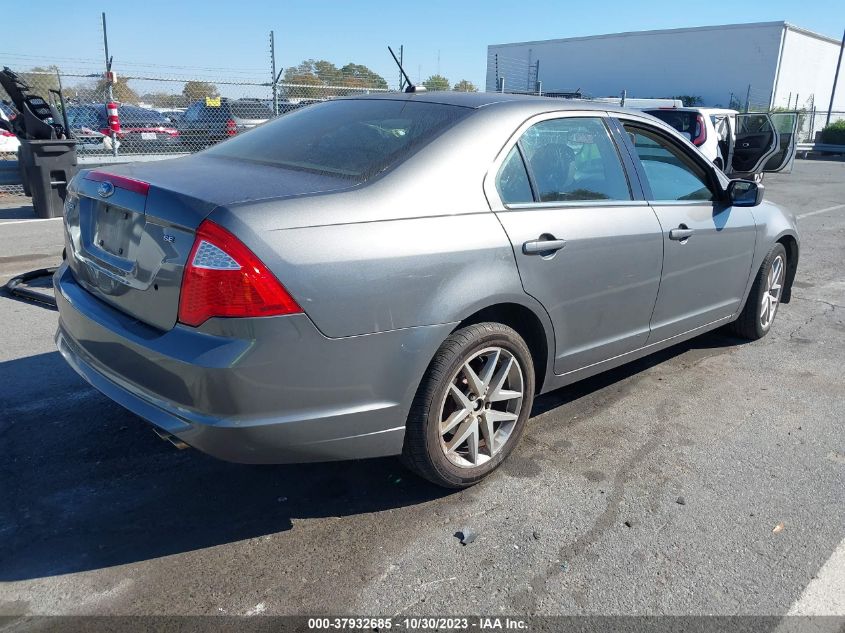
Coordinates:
x,y
757,316
471,407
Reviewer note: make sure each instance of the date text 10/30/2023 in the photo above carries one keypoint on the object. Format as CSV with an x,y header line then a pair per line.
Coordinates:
x,y
418,623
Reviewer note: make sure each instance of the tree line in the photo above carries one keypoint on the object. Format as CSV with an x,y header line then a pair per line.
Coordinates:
x,y
308,79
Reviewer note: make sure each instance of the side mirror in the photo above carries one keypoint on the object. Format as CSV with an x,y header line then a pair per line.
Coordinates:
x,y
745,193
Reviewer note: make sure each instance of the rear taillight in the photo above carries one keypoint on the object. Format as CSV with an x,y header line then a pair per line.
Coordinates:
x,y
6,133
223,278
700,131
231,127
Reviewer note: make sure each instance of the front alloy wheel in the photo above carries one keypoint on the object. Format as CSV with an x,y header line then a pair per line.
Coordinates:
x,y
758,314
771,296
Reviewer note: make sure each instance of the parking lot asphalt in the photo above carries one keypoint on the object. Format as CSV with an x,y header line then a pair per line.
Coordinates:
x,y
707,479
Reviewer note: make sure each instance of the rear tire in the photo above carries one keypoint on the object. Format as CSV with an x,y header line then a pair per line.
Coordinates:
x,y
481,382
760,308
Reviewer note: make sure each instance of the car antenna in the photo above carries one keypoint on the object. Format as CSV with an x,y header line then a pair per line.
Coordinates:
x,y
411,87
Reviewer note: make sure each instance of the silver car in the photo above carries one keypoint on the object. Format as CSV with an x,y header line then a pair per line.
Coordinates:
x,y
402,274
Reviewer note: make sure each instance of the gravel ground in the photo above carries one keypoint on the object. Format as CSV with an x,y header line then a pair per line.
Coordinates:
x,y
656,488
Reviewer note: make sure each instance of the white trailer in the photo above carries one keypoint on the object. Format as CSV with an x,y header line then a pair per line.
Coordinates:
x,y
769,64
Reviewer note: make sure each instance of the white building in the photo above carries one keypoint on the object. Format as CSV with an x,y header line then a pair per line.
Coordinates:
x,y
771,64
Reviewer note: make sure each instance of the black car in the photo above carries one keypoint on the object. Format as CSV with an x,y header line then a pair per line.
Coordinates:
x,y
213,120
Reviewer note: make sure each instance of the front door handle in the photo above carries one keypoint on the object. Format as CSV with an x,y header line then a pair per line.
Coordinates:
x,y
681,233
547,245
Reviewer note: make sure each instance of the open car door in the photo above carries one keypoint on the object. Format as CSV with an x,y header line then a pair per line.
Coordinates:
x,y
756,142
786,125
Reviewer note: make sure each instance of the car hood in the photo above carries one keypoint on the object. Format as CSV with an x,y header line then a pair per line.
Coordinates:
x,y
220,181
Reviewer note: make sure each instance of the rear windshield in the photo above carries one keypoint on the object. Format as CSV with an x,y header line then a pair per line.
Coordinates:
x,y
684,122
250,110
133,115
355,139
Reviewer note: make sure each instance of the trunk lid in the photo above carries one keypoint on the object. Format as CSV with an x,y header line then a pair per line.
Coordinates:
x,y
131,227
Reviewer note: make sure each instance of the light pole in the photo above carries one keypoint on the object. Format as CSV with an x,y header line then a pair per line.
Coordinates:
x,y
835,79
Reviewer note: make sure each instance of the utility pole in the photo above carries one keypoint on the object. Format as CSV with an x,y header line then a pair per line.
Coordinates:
x,y
109,80
273,73
835,79
274,76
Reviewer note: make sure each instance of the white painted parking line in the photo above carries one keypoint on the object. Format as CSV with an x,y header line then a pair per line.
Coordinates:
x,y
833,208
825,595
5,222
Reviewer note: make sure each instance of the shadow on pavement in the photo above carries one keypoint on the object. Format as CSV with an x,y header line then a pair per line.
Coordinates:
x,y
12,211
702,346
88,485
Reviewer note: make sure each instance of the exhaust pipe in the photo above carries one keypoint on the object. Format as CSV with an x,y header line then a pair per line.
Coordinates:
x,y
167,437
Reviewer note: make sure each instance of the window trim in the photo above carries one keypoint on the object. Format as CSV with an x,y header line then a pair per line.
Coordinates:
x,y
528,176
492,193
713,182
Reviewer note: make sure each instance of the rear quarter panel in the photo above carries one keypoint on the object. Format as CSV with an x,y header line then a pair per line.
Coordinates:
x,y
376,276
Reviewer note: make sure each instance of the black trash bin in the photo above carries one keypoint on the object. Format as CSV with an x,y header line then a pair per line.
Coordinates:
x,y
47,167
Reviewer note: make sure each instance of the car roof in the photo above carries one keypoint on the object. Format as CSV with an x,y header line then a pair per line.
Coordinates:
x,y
694,109
477,100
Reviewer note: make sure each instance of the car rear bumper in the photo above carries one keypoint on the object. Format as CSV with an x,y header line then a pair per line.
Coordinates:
x,y
269,390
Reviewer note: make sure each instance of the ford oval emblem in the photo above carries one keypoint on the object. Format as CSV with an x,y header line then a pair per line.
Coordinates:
x,y
105,189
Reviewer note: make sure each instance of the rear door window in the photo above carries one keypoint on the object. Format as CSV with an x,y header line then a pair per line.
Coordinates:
x,y
572,159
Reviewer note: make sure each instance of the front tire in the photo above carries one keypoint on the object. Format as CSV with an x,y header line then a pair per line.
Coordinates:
x,y
472,406
758,314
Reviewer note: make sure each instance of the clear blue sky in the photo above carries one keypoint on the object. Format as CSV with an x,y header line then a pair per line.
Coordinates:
x,y
209,39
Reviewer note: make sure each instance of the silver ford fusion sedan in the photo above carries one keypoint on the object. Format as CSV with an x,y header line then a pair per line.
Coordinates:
x,y
402,274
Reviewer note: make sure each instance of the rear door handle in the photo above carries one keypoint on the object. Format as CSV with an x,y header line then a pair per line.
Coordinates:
x,y
681,233
543,246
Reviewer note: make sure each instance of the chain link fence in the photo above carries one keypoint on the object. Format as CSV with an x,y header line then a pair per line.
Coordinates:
x,y
515,75
172,115
812,122
175,115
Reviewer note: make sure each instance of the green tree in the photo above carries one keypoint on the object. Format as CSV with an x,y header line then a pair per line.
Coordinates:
x,y
464,86
358,75
834,133
690,101
436,82
41,80
304,79
121,91
164,99
316,79
199,90
314,73
327,73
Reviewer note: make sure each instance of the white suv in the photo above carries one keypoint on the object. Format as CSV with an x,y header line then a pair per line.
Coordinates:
x,y
739,144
